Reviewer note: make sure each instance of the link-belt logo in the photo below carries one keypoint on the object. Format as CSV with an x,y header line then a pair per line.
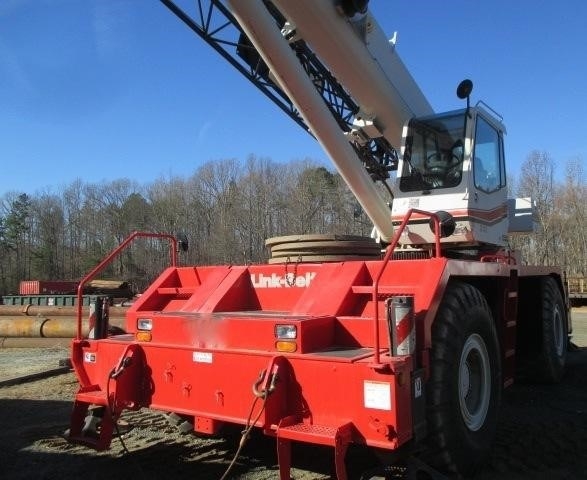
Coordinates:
x,y
282,281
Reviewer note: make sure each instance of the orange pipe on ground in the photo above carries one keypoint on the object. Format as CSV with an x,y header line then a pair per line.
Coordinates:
x,y
43,327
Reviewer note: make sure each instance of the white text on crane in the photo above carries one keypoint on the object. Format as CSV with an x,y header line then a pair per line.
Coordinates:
x,y
282,281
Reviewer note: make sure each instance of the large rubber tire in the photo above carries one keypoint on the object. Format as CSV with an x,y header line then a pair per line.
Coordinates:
x,y
548,366
464,389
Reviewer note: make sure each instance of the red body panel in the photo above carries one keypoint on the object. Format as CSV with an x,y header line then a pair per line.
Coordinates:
x,y
214,332
212,346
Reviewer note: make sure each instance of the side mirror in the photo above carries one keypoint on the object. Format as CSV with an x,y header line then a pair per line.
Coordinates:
x,y
464,89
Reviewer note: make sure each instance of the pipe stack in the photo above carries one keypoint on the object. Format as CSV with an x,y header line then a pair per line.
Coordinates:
x,y
35,325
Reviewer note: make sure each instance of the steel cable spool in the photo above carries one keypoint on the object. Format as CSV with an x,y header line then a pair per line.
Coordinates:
x,y
322,248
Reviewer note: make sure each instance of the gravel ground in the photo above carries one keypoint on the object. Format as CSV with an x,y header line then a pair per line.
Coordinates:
x,y
541,434
16,362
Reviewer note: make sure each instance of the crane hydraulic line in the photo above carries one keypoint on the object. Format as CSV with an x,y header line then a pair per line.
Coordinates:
x,y
353,120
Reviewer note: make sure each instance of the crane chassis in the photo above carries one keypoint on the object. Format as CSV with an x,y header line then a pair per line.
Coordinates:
x,y
407,352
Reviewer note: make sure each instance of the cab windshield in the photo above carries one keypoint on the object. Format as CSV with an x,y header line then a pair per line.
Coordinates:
x,y
433,154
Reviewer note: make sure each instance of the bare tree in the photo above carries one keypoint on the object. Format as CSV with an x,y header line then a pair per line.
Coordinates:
x,y
47,230
573,214
537,182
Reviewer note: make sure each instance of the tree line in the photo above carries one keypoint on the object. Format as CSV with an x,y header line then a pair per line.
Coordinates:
x,y
561,214
228,208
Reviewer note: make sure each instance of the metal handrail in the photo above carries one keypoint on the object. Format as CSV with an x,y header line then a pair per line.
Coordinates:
x,y
106,261
388,253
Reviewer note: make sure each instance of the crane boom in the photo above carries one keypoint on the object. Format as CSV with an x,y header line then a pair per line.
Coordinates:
x,y
357,52
265,35
329,66
365,98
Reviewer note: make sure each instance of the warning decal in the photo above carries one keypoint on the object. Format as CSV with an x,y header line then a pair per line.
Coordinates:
x,y
377,395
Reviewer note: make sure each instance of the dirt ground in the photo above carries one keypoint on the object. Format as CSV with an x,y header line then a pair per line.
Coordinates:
x,y
541,435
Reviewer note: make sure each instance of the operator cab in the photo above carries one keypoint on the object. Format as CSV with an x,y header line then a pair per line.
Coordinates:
x,y
454,162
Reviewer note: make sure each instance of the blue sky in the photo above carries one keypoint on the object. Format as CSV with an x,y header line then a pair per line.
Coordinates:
x,y
109,89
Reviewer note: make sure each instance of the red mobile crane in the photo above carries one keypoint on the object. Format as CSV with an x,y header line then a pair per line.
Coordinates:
x,y
411,346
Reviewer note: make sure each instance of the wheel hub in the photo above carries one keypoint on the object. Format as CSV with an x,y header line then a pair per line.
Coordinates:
x,y
474,382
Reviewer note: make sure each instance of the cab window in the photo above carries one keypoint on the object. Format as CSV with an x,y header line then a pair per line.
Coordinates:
x,y
488,165
433,156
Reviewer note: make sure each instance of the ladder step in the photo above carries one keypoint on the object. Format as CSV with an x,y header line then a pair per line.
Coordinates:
x,y
90,427
98,440
337,437
95,397
318,434
92,442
